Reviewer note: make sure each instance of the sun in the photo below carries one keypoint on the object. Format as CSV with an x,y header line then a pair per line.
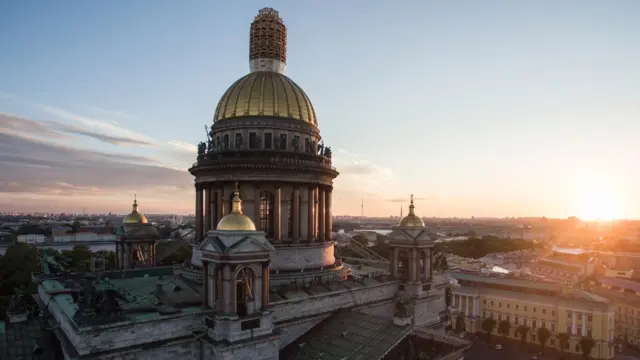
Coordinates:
x,y
599,204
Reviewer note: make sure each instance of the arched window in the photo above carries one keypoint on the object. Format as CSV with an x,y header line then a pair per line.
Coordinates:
x,y
244,291
403,264
266,213
290,216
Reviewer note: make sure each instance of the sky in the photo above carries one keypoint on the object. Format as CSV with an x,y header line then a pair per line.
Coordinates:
x,y
492,108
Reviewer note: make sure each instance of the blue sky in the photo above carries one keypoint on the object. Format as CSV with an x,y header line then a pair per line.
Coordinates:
x,y
492,108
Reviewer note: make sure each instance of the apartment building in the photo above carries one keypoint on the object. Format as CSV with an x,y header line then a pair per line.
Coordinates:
x,y
536,305
625,294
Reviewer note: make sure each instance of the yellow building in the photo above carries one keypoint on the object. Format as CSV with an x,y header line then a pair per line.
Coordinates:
x,y
625,294
536,305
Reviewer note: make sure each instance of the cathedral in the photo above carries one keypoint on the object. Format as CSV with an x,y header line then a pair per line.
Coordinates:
x,y
264,282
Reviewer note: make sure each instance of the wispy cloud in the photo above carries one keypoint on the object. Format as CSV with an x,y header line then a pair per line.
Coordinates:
x,y
14,124
406,199
38,167
183,146
362,176
112,115
112,130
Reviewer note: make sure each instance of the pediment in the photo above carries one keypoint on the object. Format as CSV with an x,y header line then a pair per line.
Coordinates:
x,y
411,235
227,243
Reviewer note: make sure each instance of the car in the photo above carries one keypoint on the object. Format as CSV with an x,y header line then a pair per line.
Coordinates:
x,y
498,347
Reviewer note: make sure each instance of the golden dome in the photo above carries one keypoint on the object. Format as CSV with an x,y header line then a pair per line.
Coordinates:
x,y
135,217
265,93
236,220
411,220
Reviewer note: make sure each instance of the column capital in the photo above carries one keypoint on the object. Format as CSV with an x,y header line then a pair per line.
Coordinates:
x,y
199,186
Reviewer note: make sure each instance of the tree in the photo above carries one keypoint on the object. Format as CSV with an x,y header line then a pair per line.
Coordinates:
x,y
460,325
16,266
503,328
488,325
563,341
522,331
543,335
586,345
80,257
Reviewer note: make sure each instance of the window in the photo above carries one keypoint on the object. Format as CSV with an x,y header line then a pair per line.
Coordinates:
x,y
544,325
533,338
588,333
500,304
268,141
491,302
238,141
553,327
515,321
517,307
568,329
525,308
508,306
225,146
533,324
484,314
253,141
544,311
552,342
484,302
508,318
266,213
524,322
553,313
499,317
569,314
590,318
534,309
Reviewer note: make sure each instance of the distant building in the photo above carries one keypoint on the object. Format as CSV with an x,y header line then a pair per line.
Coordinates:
x,y
31,238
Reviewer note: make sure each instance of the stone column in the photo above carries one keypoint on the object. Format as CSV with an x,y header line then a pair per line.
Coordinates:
x,y
265,285
207,209
277,227
206,301
198,212
228,291
413,269
220,294
427,263
475,307
321,214
310,207
219,204
573,323
328,220
295,216
394,263
256,207
584,324
459,303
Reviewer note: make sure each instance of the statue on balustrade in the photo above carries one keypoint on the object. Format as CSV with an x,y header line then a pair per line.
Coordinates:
x,y
327,152
283,141
321,149
202,147
226,143
239,142
314,148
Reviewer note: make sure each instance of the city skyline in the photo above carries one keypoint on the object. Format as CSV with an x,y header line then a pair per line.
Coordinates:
x,y
500,110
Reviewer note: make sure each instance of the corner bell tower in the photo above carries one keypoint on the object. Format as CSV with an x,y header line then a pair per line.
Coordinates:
x,y
411,263
235,261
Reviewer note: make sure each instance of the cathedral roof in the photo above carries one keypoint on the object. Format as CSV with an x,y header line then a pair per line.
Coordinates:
x,y
344,335
266,93
236,220
135,217
411,220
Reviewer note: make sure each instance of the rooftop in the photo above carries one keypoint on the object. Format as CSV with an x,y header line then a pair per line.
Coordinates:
x,y
21,340
346,335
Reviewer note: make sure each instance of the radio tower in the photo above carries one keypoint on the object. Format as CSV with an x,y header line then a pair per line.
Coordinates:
x,y
361,207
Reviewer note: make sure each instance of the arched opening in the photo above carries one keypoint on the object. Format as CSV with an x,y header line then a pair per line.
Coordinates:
x,y
244,291
290,216
403,264
266,213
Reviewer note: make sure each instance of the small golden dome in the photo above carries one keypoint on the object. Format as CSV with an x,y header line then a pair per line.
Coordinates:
x,y
411,220
236,220
135,217
265,93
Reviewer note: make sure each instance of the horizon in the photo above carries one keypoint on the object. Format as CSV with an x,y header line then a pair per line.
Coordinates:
x,y
509,110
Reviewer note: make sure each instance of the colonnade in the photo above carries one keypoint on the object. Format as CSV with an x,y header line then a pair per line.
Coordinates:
x,y
470,307
290,218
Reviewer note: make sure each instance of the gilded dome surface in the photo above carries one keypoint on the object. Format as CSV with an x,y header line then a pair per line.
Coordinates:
x,y
266,93
411,220
236,220
135,217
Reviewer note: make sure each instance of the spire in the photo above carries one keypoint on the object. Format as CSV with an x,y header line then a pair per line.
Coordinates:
x,y
401,208
236,203
268,42
135,203
411,207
